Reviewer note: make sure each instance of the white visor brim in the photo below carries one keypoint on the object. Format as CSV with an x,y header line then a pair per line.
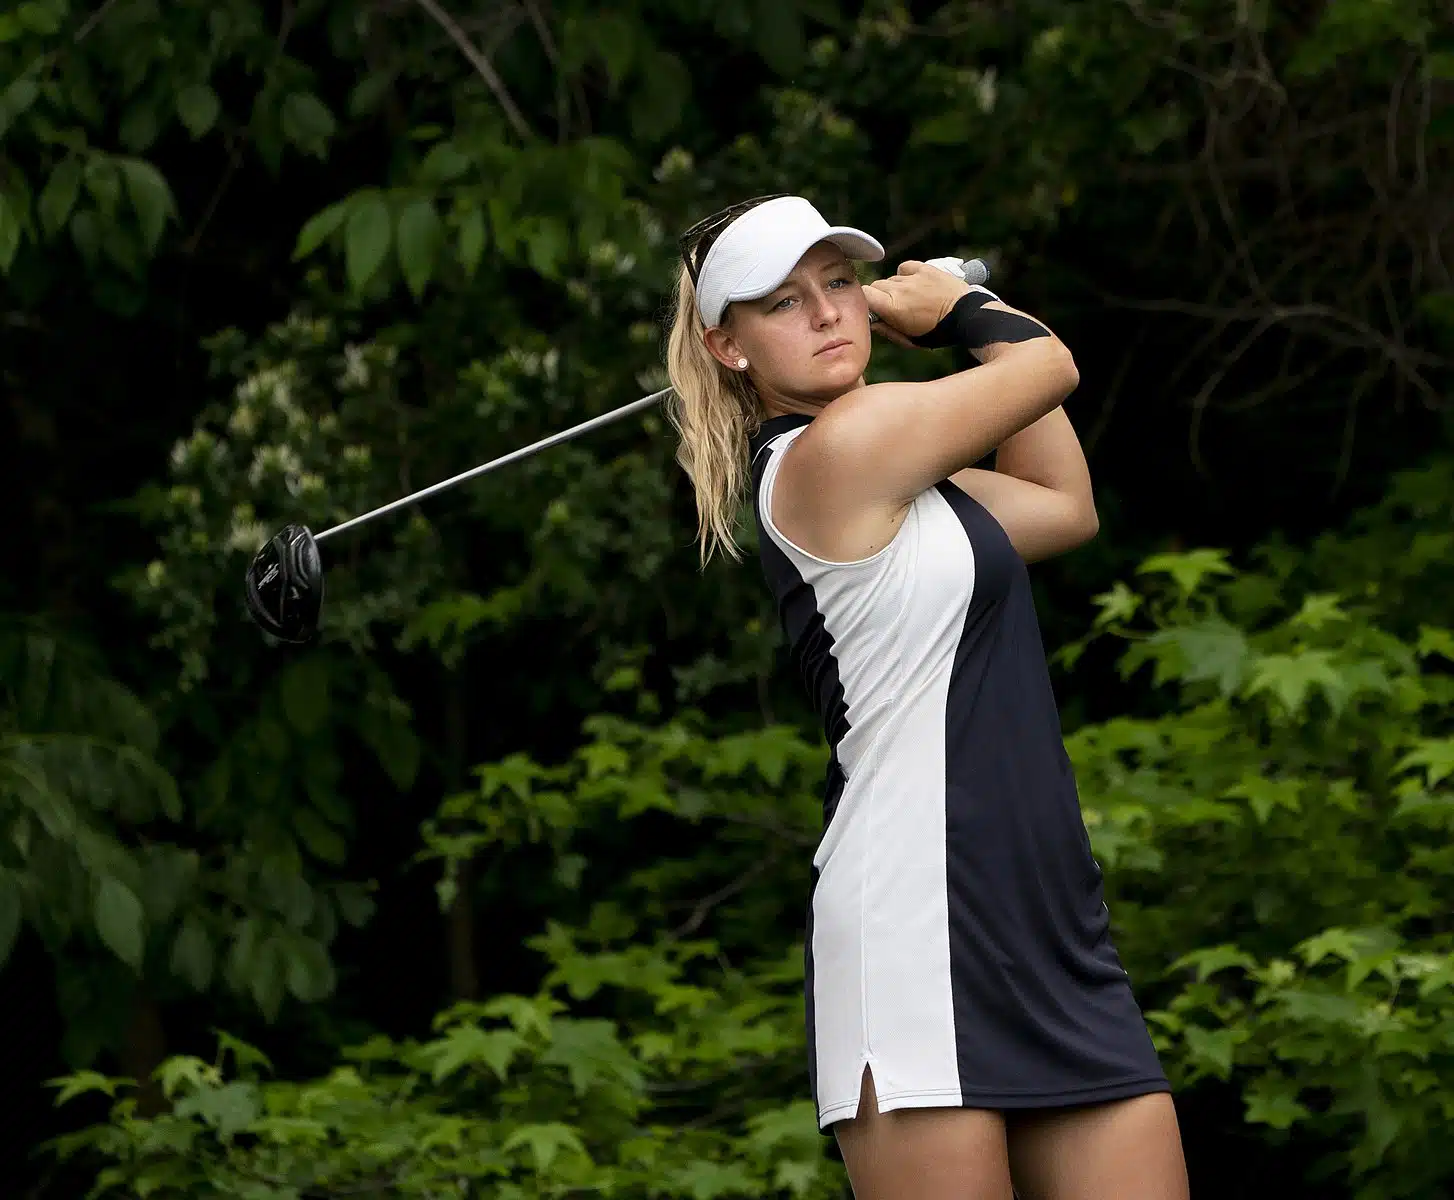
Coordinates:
x,y
760,249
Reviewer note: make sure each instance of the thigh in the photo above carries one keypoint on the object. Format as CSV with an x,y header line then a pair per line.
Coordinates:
x,y
924,1153
1122,1150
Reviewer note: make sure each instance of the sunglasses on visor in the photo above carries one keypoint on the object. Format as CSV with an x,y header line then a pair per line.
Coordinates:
x,y
697,241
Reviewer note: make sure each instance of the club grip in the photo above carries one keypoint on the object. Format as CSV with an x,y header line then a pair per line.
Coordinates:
x,y
973,271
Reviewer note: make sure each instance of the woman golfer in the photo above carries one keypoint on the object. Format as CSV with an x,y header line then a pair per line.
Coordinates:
x,y
971,1032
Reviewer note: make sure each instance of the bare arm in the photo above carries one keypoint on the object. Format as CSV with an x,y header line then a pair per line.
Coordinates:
x,y
1040,490
847,482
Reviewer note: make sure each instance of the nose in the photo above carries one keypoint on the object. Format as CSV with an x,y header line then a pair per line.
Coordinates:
x,y
824,310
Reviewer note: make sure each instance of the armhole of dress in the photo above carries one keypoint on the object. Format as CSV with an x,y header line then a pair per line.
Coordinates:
x,y
775,450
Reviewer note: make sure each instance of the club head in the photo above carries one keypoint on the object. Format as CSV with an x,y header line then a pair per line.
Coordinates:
x,y
285,585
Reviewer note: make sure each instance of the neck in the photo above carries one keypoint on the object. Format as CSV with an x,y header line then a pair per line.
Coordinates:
x,y
778,404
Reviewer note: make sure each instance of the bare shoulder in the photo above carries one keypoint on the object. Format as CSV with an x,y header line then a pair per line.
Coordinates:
x,y
848,428
824,499
851,475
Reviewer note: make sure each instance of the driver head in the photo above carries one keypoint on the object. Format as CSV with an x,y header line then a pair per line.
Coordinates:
x,y
285,585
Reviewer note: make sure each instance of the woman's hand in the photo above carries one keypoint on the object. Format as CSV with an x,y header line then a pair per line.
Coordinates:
x,y
913,302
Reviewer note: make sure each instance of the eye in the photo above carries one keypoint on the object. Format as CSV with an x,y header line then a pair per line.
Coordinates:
x,y
843,279
779,305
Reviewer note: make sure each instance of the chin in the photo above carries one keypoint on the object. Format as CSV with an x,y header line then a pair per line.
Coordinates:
x,y
832,379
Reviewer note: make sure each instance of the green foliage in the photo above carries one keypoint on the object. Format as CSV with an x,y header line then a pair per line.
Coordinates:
x,y
641,1066
1276,844
1289,819
99,857
483,257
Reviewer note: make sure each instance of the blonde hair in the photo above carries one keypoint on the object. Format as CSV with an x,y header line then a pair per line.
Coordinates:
x,y
714,411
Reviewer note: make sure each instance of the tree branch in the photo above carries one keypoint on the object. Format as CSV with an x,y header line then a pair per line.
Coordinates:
x,y
482,66
726,892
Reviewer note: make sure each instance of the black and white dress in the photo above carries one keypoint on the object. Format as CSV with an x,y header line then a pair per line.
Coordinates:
x,y
957,939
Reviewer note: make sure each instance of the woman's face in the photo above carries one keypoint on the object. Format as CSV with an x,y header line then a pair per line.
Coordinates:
x,y
808,341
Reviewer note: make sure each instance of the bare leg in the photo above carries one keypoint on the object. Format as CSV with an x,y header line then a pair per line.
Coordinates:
x,y
924,1153
1123,1150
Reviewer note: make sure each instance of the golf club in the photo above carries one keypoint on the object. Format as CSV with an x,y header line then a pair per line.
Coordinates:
x,y
284,586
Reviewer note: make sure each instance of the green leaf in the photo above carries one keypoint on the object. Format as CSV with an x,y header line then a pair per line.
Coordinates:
x,y
355,905
370,93
1211,1049
472,241
186,1070
468,1046
1272,1100
9,233
366,238
192,958
304,692
1187,570
323,842
398,751
310,973
10,913
1290,677
266,977
15,100
150,196
83,1083
1337,942
118,916
1213,959
44,19
1118,604
1434,640
949,127
798,1176
443,164
614,39
139,128
320,227
1434,756
307,123
664,87
228,1109
1264,794
85,234
546,247
778,29
167,874
545,1142
706,1180
103,180
245,1056
198,108
59,195
1213,651
590,1051
418,240
794,1126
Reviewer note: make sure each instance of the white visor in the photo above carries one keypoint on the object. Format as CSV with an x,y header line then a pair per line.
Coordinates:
x,y
760,249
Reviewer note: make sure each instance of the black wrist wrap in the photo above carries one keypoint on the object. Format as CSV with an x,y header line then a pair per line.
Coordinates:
x,y
971,325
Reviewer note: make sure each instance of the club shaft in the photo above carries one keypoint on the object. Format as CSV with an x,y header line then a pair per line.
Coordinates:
x,y
545,443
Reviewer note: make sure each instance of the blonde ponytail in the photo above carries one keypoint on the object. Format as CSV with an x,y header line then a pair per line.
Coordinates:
x,y
714,411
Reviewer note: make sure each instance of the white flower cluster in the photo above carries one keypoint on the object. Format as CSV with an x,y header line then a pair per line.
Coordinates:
x,y
245,533
356,371
273,388
200,450
276,460
534,365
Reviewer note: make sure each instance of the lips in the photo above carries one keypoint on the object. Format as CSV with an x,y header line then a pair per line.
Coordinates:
x,y
834,345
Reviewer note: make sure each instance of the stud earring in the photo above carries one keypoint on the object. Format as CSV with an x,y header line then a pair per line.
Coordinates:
x,y
742,364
